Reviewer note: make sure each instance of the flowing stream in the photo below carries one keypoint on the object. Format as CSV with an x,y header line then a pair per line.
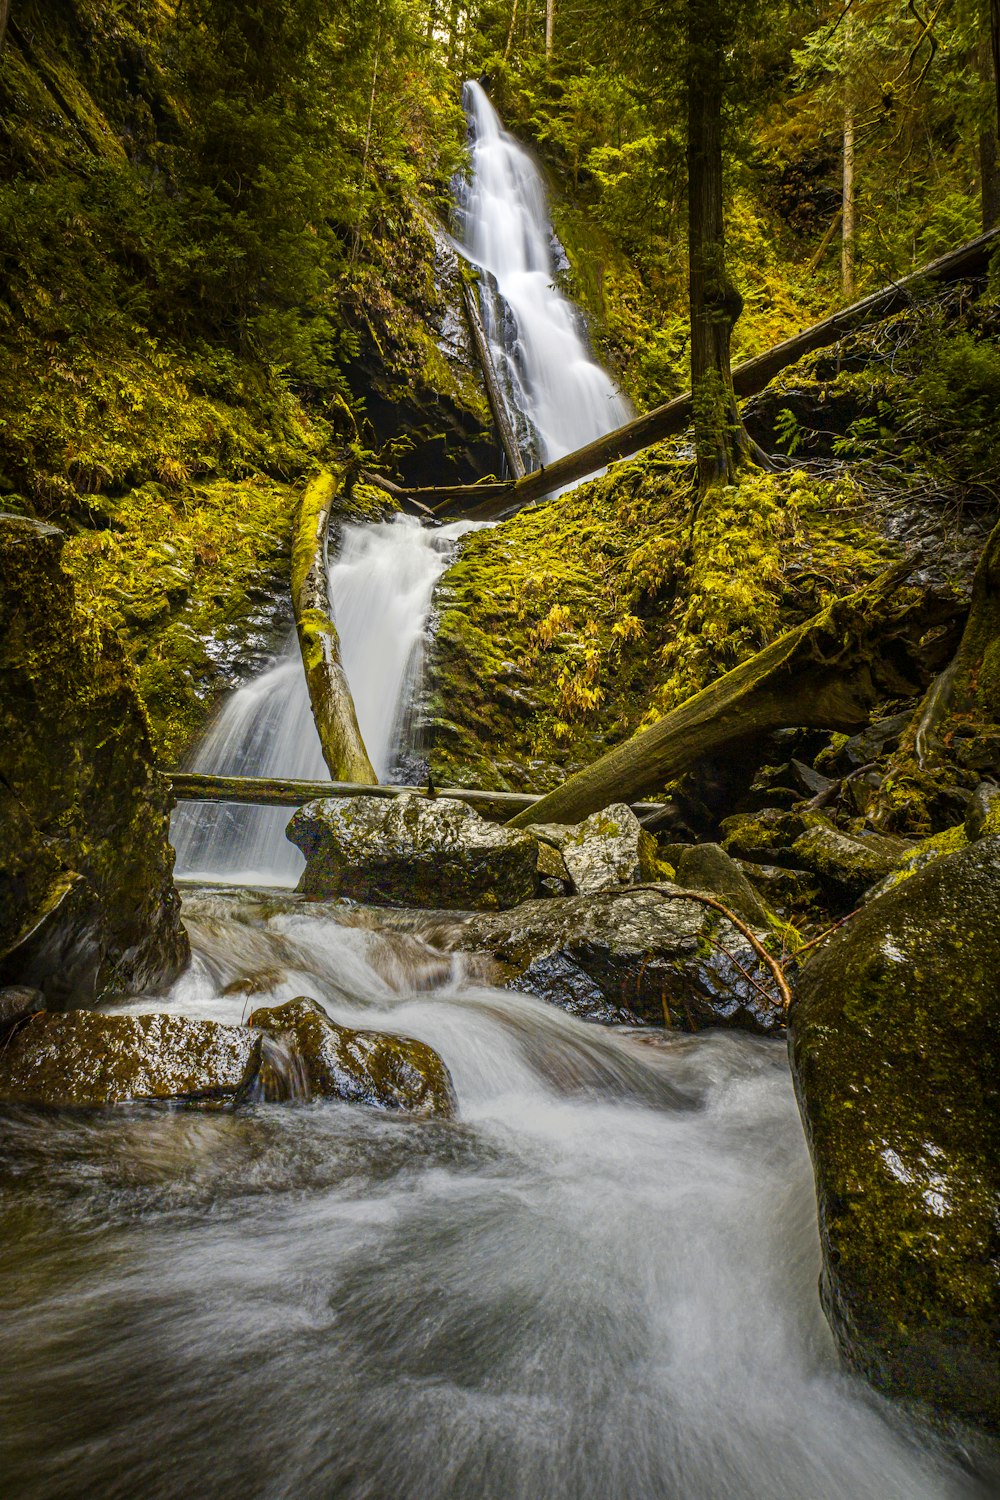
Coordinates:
x,y
598,1283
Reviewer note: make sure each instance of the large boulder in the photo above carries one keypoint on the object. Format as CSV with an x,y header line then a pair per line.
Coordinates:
x,y
609,848
846,864
412,851
86,1060
87,901
895,1044
365,1067
707,867
634,959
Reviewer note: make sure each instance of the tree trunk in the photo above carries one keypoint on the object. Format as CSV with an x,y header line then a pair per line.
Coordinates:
x,y
494,394
510,33
816,676
264,791
4,18
989,130
847,199
332,705
550,28
714,300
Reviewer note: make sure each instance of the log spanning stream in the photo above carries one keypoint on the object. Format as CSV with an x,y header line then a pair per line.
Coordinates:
x,y
599,1282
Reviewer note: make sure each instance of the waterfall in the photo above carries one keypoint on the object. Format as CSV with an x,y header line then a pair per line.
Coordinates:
x,y
381,585
559,398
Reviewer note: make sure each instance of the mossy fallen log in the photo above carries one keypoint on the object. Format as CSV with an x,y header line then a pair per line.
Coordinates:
x,y
329,693
262,791
818,675
492,499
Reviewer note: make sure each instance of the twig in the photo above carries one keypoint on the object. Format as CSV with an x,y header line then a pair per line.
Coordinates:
x,y
824,935
670,893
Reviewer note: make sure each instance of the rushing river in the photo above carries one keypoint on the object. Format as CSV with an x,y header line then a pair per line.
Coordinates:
x,y
599,1283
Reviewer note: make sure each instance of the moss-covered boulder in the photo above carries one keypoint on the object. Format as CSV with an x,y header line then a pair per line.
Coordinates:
x,y
707,867
765,837
412,851
846,865
636,959
896,1054
87,901
609,848
86,1060
366,1067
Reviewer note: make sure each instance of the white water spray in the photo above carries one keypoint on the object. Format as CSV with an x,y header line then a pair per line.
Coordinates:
x,y
560,398
381,585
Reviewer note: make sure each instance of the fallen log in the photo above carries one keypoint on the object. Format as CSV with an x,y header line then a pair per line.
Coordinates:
x,y
818,675
262,791
494,395
329,693
491,500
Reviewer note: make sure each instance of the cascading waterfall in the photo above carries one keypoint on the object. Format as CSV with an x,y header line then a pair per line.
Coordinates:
x,y
381,585
559,398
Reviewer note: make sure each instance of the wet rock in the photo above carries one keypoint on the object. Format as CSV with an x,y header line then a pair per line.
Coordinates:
x,y
552,867
609,848
634,959
364,1067
845,864
982,814
412,851
782,888
17,1003
872,743
918,857
87,902
85,1060
766,837
895,1045
707,867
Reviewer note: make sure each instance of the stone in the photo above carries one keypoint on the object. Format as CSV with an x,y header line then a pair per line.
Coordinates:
x,y
610,848
366,1067
872,743
87,901
412,851
895,1049
552,867
87,1059
919,856
846,864
707,867
765,837
782,889
632,959
17,1003
982,813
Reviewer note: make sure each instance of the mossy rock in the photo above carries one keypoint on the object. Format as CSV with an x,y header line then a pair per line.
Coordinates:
x,y
707,867
847,865
365,1067
634,959
87,1060
896,1058
412,851
610,848
765,837
87,901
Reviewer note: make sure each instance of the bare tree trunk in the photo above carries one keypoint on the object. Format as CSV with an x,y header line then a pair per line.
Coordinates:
x,y
847,202
4,18
510,33
714,300
550,28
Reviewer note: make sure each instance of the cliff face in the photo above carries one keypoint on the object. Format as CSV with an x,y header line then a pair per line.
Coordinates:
x,y
87,901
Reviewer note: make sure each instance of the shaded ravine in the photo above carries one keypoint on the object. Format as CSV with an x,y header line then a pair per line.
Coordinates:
x,y
599,1282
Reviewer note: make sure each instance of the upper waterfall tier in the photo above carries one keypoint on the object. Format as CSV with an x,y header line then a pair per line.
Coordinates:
x,y
559,397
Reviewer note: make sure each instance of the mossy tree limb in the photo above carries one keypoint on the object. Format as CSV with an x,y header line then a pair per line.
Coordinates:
x,y
329,692
818,675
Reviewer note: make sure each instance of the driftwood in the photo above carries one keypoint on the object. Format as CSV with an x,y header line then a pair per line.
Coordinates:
x,y
817,675
262,791
494,395
332,705
492,499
